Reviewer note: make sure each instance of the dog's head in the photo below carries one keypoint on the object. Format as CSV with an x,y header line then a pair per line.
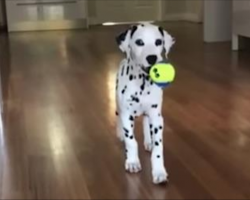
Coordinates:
x,y
145,44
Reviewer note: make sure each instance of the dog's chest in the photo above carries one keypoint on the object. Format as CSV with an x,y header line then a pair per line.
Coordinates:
x,y
135,87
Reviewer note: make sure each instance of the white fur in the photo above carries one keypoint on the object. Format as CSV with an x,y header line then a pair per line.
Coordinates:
x,y
136,95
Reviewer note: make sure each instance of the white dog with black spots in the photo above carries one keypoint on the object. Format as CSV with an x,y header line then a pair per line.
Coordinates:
x,y
144,45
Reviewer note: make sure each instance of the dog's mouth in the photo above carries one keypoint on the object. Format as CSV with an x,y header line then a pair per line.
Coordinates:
x,y
146,69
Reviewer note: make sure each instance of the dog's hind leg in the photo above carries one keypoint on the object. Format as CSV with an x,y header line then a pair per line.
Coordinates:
x,y
147,134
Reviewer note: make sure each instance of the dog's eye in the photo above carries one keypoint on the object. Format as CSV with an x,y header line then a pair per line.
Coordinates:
x,y
139,42
158,42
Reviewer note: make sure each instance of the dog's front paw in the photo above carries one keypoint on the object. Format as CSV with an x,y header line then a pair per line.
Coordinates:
x,y
160,176
133,166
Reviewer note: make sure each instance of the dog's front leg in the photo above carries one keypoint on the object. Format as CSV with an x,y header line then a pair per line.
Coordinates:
x,y
158,169
132,163
148,145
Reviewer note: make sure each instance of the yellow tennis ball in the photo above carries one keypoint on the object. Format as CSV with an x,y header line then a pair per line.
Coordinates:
x,y
162,74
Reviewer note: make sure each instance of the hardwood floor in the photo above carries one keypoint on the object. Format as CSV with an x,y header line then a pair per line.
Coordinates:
x,y
58,139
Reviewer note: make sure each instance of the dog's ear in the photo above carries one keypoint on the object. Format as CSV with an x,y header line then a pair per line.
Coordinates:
x,y
123,38
168,40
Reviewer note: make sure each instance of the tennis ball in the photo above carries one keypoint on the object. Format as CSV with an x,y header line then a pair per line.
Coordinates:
x,y
162,74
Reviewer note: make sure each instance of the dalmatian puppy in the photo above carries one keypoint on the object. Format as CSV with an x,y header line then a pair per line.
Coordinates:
x,y
136,95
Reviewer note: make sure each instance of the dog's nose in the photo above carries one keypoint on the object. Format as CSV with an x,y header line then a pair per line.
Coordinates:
x,y
151,59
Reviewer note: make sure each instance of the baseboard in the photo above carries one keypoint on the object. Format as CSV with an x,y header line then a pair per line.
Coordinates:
x,y
93,21
191,17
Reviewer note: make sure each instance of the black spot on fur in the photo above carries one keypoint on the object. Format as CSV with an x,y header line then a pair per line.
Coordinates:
x,y
151,133
150,126
148,93
131,104
140,76
160,140
131,118
122,70
156,143
135,112
160,127
143,83
132,125
158,156
135,99
134,77
126,135
132,67
116,113
151,83
126,151
134,28
161,31
136,93
130,77
154,106
127,70
124,89
131,137
156,130
126,130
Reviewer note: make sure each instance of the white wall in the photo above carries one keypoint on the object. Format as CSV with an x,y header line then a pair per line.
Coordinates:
x,y
92,8
174,7
194,10
216,16
188,10
217,20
